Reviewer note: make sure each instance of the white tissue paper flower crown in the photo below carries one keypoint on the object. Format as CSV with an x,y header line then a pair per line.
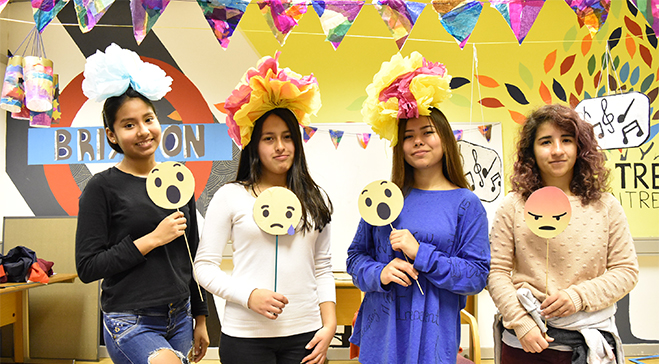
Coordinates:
x,y
109,74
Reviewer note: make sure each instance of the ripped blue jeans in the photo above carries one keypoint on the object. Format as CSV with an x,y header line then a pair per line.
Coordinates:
x,y
133,337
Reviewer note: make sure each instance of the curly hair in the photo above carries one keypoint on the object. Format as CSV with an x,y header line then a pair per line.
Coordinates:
x,y
590,178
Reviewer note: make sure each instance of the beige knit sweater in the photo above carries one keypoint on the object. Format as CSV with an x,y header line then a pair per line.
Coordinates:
x,y
593,260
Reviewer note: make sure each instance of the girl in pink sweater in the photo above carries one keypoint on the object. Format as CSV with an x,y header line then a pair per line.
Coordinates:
x,y
592,263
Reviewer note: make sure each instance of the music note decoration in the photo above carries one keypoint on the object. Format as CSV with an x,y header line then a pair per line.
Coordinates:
x,y
631,113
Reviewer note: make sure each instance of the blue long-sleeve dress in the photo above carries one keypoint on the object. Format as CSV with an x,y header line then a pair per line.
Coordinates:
x,y
398,324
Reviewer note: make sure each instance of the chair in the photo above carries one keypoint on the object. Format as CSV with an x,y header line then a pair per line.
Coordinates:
x,y
474,337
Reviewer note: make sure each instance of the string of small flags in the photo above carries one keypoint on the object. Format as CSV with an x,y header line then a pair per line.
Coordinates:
x,y
336,136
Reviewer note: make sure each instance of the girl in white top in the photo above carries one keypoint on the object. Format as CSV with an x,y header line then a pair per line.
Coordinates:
x,y
297,322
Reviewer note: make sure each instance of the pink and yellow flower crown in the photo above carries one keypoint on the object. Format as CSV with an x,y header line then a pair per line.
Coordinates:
x,y
404,88
268,87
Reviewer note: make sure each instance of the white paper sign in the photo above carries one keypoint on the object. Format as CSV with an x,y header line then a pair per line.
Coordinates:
x,y
620,121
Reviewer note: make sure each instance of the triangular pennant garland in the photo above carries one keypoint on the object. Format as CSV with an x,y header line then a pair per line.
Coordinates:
x,y
458,20
89,12
223,16
282,16
336,18
336,136
486,130
457,134
44,11
592,14
520,15
363,139
308,132
399,16
145,14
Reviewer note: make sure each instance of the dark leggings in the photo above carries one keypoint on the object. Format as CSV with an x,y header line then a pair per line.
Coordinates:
x,y
275,350
510,355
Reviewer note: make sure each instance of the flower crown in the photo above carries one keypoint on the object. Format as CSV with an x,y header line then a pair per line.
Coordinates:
x,y
268,87
109,74
404,88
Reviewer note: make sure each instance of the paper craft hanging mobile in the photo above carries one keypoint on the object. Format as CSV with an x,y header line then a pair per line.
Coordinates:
x,y
277,211
547,213
170,185
380,203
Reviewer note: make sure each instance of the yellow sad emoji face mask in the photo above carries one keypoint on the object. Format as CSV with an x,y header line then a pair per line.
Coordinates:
x,y
547,212
277,211
170,185
380,202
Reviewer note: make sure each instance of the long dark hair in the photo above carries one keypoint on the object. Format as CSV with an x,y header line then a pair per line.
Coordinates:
x,y
402,174
113,104
590,177
314,205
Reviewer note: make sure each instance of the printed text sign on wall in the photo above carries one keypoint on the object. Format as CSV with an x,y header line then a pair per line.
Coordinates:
x,y
181,142
620,121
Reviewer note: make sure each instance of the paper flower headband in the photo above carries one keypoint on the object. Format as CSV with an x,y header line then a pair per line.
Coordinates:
x,y
404,88
268,87
109,74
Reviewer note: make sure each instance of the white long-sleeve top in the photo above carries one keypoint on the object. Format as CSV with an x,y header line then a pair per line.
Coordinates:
x,y
304,270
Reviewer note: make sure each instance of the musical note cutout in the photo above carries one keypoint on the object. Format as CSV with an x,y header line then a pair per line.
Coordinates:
x,y
483,170
631,113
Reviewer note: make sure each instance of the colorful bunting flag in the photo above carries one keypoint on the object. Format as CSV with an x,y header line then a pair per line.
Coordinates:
x,y
399,16
336,136
223,16
457,134
486,130
309,131
458,17
145,14
3,3
336,18
521,14
89,12
363,139
44,11
282,16
591,13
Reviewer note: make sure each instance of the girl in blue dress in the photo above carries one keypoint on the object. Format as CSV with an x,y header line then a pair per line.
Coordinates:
x,y
442,228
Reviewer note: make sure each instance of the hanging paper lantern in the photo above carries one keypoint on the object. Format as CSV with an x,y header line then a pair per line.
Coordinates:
x,y
38,75
12,88
41,119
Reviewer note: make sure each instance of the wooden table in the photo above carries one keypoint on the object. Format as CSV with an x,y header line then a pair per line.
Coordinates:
x,y
14,310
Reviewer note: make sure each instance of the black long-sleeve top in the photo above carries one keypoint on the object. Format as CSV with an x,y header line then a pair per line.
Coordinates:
x,y
115,210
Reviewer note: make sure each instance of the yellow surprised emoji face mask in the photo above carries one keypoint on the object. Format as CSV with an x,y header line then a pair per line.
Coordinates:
x,y
170,185
380,202
547,212
277,211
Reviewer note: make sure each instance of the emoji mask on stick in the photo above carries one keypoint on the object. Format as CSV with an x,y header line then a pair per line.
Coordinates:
x,y
380,203
170,185
277,211
547,212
